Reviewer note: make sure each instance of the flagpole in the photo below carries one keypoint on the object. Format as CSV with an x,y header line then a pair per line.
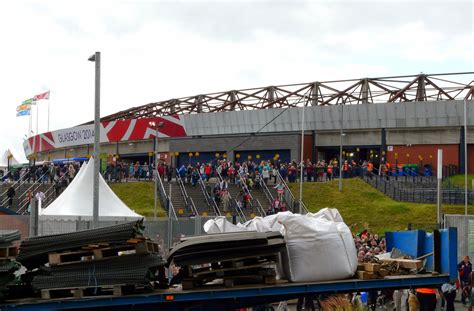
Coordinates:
x,y
29,124
37,117
48,109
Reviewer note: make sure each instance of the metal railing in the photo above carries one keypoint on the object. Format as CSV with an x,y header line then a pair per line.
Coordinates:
x,y
290,198
416,191
165,199
266,191
235,206
16,185
239,211
23,199
211,203
189,203
258,207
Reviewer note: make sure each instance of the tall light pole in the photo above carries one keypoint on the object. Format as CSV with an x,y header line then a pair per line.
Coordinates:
x,y
465,157
95,202
155,171
340,146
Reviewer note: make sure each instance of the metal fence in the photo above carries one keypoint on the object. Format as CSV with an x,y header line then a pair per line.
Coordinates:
x,y
465,226
417,189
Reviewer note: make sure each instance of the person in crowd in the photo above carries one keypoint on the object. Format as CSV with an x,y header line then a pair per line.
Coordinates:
x,y
465,269
10,194
52,172
169,172
225,197
309,170
71,172
217,193
330,171
182,172
44,173
346,169
194,177
370,168
449,294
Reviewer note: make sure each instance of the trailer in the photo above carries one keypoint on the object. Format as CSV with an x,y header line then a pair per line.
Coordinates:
x,y
442,264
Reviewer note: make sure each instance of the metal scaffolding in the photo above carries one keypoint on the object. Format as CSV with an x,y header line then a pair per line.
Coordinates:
x,y
422,87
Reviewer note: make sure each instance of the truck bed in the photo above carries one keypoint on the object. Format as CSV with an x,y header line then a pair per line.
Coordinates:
x,y
220,298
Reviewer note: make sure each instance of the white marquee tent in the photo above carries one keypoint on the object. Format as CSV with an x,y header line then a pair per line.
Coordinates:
x,y
76,199
4,159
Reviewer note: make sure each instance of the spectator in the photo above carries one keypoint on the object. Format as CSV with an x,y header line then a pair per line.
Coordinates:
x,y
465,269
194,177
10,194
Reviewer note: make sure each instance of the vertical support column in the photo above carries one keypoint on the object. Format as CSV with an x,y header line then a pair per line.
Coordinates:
x,y
364,92
198,103
95,210
233,99
34,218
383,145
421,89
270,95
314,94
314,148
462,151
439,192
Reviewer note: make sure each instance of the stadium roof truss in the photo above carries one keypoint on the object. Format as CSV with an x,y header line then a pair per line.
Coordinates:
x,y
422,87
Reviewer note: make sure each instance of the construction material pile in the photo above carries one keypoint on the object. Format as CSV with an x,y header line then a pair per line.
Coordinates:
x,y
8,265
380,268
98,260
230,258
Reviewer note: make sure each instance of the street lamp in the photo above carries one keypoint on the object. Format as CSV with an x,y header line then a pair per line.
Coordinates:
x,y
156,126
95,202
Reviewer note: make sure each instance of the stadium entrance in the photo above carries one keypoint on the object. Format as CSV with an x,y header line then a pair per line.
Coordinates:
x,y
357,153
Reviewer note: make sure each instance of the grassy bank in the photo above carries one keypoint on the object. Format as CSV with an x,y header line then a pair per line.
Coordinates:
x,y
138,196
359,203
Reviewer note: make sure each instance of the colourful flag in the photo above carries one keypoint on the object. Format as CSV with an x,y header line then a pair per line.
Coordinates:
x,y
23,107
30,101
23,113
42,96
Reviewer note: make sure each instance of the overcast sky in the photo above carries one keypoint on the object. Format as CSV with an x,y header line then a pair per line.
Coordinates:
x,y
157,50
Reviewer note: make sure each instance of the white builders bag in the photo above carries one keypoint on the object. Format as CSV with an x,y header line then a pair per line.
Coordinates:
x,y
318,249
220,225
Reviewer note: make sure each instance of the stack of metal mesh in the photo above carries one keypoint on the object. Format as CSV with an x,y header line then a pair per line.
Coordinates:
x,y
135,269
127,268
34,251
9,236
8,266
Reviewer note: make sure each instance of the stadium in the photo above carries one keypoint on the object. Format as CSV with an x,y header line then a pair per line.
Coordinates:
x,y
401,120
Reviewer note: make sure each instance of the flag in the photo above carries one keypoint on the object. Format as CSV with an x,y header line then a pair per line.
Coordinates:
x,y
30,101
23,113
42,96
23,107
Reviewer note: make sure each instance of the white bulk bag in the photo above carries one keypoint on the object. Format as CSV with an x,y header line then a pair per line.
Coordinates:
x,y
220,225
318,249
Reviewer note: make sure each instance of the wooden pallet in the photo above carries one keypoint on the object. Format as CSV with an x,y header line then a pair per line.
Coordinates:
x,y
229,281
97,252
80,292
8,252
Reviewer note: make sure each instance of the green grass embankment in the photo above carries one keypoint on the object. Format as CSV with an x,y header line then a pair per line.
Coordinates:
x,y
359,203
138,196
458,180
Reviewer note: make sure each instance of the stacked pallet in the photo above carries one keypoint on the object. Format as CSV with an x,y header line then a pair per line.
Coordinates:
x,y
388,267
8,265
101,261
229,259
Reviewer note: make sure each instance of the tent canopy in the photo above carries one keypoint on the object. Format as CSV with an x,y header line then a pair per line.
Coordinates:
x,y
76,200
4,159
